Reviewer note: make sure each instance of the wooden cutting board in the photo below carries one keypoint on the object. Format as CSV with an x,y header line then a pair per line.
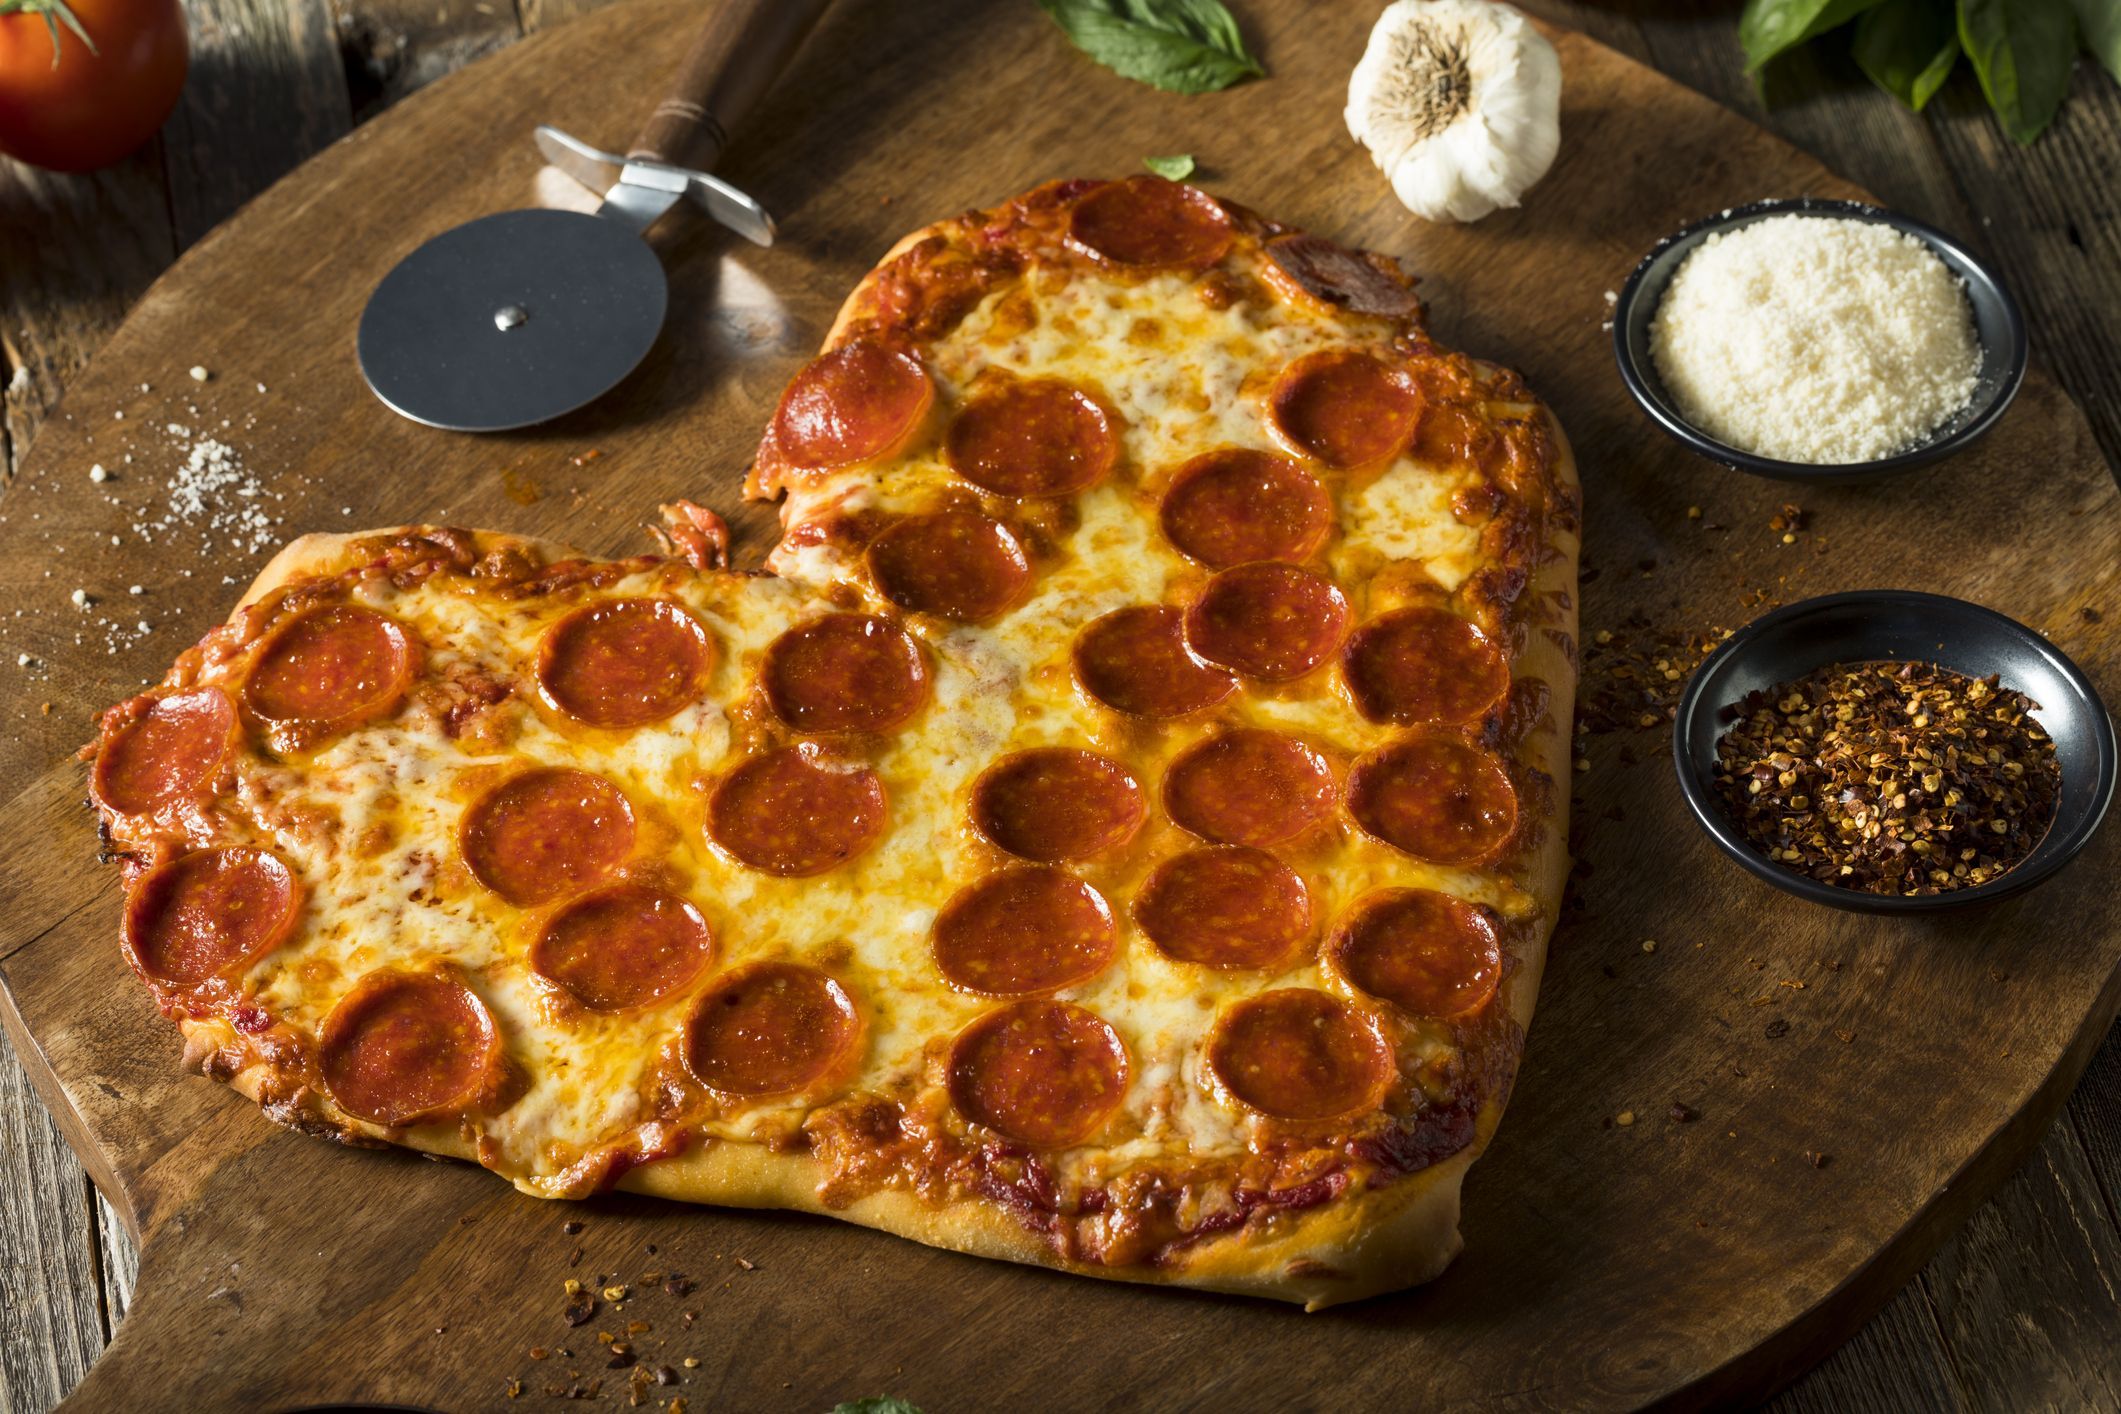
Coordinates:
x,y
1860,1085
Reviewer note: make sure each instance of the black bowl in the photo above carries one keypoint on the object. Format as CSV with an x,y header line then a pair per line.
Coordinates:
x,y
1876,624
1998,326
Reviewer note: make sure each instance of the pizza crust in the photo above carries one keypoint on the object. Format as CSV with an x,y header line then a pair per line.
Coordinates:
x,y
322,554
1354,1246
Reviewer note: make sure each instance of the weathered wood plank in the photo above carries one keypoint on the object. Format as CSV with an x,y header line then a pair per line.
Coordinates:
x,y
266,91
2095,1109
75,253
2051,215
1897,1361
51,1323
118,1263
390,48
2026,1296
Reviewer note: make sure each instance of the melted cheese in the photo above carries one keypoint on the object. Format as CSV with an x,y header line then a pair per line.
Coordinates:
x,y
370,820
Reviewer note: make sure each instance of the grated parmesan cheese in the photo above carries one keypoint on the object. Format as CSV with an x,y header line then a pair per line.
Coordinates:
x,y
1816,339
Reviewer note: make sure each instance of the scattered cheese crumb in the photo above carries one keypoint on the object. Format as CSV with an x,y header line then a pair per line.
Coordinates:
x,y
81,599
23,660
137,589
199,374
1822,340
97,473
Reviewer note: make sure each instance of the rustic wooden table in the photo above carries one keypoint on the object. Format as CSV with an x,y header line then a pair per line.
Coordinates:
x,y
2020,1310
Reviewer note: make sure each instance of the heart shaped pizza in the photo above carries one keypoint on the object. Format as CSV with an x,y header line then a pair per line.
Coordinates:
x,y
1120,833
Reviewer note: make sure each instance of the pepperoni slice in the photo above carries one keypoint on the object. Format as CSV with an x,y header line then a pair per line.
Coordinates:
x,y
1345,408
1136,661
1424,665
845,673
1042,1073
851,404
1249,786
546,834
1425,952
1031,437
1233,506
626,663
167,752
1300,1055
1268,621
1225,906
796,812
774,1028
623,948
1435,798
334,667
408,1048
1056,803
953,564
203,913
1149,221
1024,930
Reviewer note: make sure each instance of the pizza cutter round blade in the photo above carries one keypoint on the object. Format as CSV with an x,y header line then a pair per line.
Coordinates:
x,y
519,317
512,319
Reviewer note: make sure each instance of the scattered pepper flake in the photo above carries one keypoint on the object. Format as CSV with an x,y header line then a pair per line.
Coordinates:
x,y
1683,1113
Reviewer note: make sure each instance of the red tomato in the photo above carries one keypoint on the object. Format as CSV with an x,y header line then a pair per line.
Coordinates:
x,y
91,108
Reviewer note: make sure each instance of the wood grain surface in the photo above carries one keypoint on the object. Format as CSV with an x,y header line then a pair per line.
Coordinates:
x,y
840,157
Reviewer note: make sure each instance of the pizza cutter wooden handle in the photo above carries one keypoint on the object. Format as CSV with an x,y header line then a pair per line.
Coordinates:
x,y
741,50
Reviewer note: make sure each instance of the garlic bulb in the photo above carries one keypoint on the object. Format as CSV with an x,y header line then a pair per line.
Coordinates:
x,y
1459,101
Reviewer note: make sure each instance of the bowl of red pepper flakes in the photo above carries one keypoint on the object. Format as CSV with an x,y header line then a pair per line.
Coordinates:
x,y
1890,751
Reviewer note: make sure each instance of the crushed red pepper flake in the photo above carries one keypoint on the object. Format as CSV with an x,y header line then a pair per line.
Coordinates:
x,y
1634,672
1890,778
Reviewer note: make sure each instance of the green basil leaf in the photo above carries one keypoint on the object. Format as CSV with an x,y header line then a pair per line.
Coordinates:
x,y
2100,21
1171,169
875,1404
1768,27
2022,52
1181,46
1908,47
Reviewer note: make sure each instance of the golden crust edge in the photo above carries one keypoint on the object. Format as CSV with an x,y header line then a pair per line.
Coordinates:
x,y
321,553
1372,1242
1380,1240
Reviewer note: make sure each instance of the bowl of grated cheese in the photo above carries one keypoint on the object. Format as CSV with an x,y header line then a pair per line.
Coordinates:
x,y
1815,340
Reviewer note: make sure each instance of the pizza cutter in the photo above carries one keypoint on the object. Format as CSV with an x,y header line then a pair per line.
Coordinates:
x,y
521,316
